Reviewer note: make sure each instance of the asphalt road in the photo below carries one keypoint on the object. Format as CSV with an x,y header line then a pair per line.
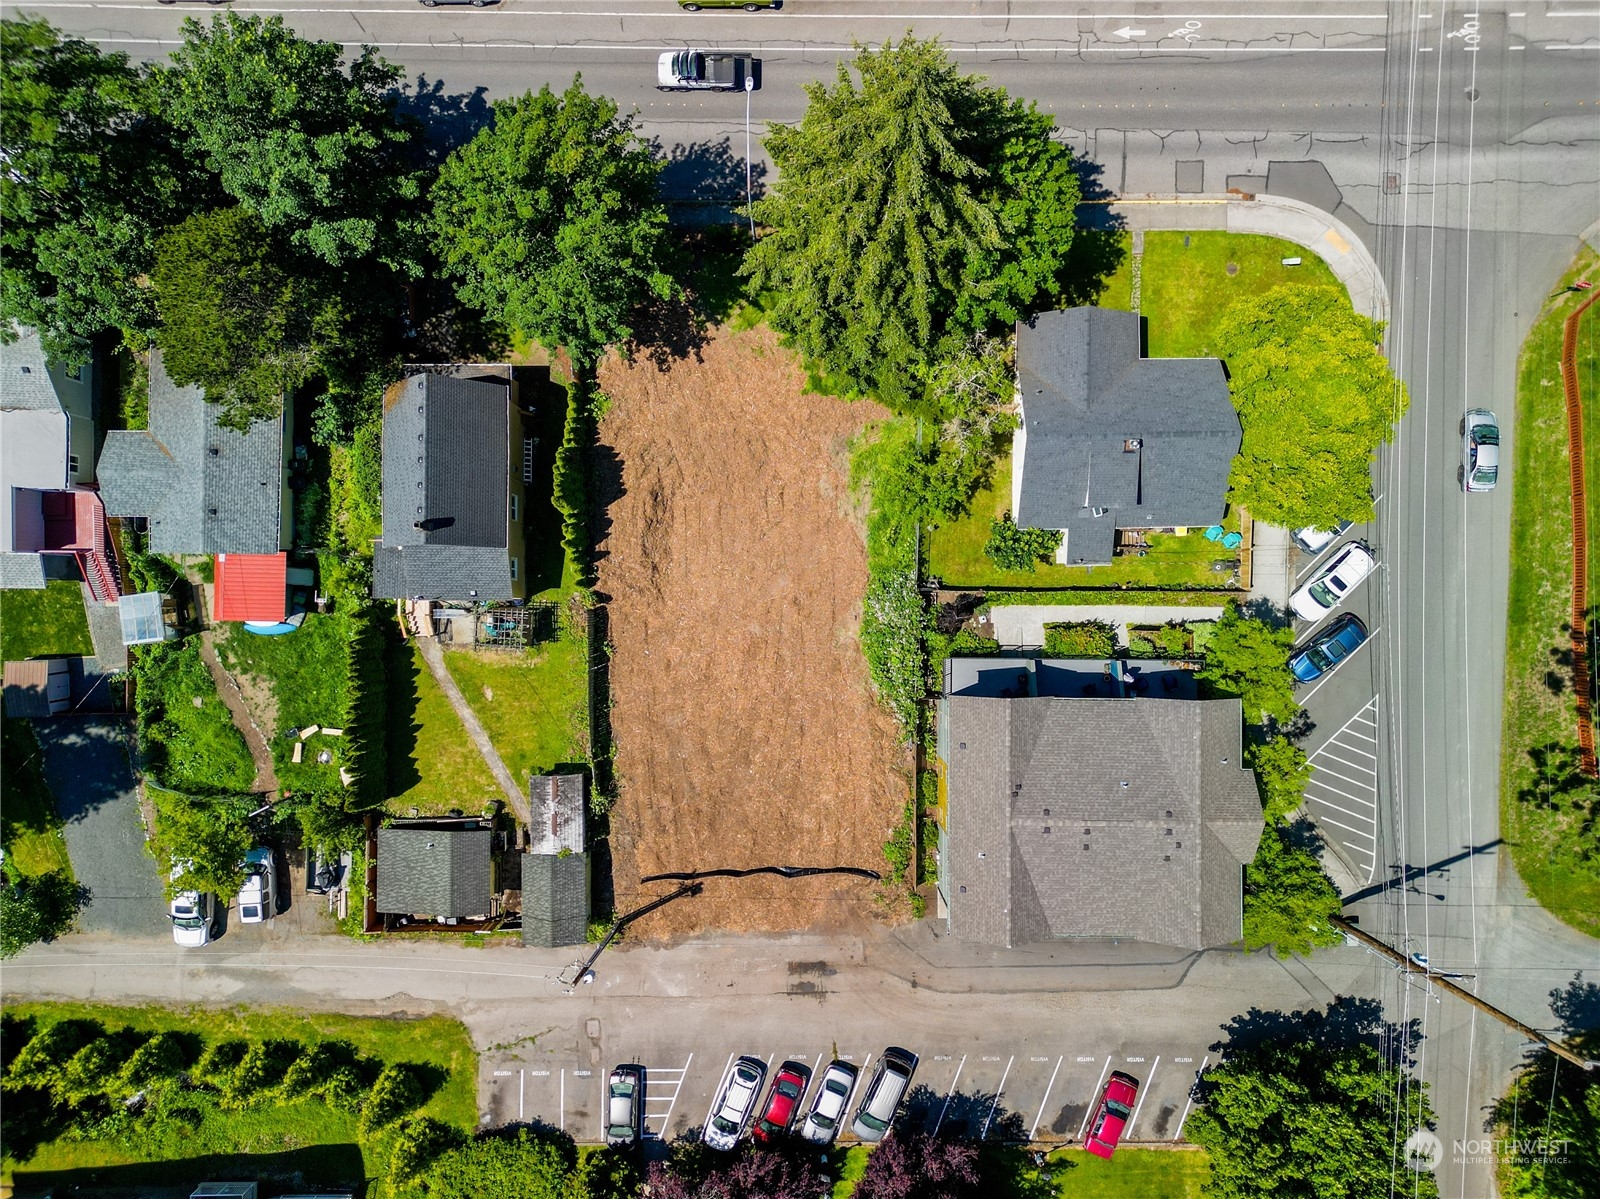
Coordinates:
x,y
1463,142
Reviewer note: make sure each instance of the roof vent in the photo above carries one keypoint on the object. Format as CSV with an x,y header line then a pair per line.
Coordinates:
x,y
212,511
1131,445
1085,832
1086,845
1047,811
1098,512
215,451
1166,857
1169,813
1047,828
1124,783
27,370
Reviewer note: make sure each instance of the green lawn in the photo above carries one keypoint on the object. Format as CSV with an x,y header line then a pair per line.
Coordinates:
x,y
433,766
37,624
534,704
1537,813
1147,1173
955,553
1186,288
307,1138
306,673
30,829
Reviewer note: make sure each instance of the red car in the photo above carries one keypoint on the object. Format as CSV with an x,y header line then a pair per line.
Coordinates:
x,y
1113,1114
783,1101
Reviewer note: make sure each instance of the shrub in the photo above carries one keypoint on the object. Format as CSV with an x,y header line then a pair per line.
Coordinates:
x,y
1013,548
892,629
212,836
900,850
1282,772
1158,641
1080,639
418,1144
260,1073
398,1090
189,739
35,909
1288,899
571,477
41,1061
162,1058
220,1059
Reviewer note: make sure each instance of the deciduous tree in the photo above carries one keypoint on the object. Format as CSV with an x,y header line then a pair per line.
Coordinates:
x,y
35,908
236,318
1315,399
1250,659
90,179
752,1172
912,210
312,146
1288,898
1298,1115
549,220
210,837
918,1166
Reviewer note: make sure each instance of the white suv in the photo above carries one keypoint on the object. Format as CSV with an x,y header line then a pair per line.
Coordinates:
x,y
1352,563
737,1099
258,894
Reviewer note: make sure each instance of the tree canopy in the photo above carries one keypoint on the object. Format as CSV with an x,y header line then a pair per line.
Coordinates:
x,y
1308,1110
912,210
751,1172
1288,898
919,1166
90,180
1250,658
313,148
236,319
1315,400
549,218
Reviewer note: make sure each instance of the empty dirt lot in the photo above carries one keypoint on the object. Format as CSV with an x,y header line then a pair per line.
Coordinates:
x,y
745,728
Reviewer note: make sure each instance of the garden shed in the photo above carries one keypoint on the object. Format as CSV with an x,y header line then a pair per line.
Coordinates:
x,y
555,870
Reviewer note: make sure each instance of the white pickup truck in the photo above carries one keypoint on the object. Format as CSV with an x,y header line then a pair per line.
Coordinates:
x,y
699,71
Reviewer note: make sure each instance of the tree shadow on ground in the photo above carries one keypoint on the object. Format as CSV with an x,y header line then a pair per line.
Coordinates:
x,y
447,119
1349,1020
400,712
708,262
314,1165
709,174
544,406
968,1115
1577,1005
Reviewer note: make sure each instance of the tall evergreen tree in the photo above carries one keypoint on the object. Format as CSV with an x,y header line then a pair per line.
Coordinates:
x,y
912,210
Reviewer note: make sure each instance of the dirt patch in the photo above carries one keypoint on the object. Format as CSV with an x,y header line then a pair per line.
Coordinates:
x,y
745,728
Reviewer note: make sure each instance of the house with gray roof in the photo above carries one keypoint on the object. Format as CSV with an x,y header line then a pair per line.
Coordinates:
x,y
453,495
1095,817
1109,439
435,870
202,488
47,459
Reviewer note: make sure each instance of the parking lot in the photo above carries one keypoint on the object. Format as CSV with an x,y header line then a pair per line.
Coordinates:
x,y
1001,1093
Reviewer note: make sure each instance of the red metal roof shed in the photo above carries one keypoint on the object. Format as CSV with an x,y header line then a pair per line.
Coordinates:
x,y
251,587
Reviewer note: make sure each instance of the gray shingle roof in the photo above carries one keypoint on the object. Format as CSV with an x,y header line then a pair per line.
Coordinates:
x,y
204,488
25,381
446,463
555,899
1087,396
439,872
21,572
1105,818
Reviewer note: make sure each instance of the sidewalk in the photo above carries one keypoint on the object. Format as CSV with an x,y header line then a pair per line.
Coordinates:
x,y
1272,565
1022,625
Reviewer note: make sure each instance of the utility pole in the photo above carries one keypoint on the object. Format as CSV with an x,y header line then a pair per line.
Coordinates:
x,y
749,200
1405,963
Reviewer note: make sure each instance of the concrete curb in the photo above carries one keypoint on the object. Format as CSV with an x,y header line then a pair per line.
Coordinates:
x,y
1329,238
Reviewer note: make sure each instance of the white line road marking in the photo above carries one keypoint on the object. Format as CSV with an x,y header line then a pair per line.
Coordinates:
x,y
1082,1128
505,12
1350,792
563,1124
949,1095
520,1081
855,1086
1371,637
605,1095
1043,1102
1144,1089
998,1091
682,1074
1188,1103
711,1111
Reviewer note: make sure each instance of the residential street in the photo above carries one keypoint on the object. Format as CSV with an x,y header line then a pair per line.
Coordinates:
x,y
1461,145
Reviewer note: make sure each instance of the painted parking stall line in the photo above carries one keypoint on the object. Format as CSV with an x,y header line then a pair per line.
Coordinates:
x,y
950,1094
1045,1102
1342,794
1089,1110
1144,1090
1190,1102
998,1092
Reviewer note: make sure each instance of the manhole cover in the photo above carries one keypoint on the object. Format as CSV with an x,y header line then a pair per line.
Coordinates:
x,y
1232,268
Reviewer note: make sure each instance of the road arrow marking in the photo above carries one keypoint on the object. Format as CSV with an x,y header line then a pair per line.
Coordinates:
x,y
1126,32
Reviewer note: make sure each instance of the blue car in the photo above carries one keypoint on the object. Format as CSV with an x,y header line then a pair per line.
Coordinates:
x,y
1332,646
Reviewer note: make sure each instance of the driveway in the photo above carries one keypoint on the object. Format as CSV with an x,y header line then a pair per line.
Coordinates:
x,y
86,763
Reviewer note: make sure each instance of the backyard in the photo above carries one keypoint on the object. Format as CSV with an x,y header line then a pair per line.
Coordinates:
x,y
1544,802
307,1140
746,733
35,624
533,703
1187,281
433,766
30,828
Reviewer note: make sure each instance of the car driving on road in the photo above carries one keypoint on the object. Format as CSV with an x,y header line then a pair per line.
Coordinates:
x,y
828,1104
1111,1117
1328,649
737,1099
625,1105
747,5
783,1102
1350,564
1480,450
884,1093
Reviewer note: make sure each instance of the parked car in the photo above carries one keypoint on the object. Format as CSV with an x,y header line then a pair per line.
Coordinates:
x,y
735,1102
1329,648
259,893
887,1088
1111,1117
193,913
1334,582
625,1106
747,5
1314,541
827,1105
432,3
1480,450
783,1101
